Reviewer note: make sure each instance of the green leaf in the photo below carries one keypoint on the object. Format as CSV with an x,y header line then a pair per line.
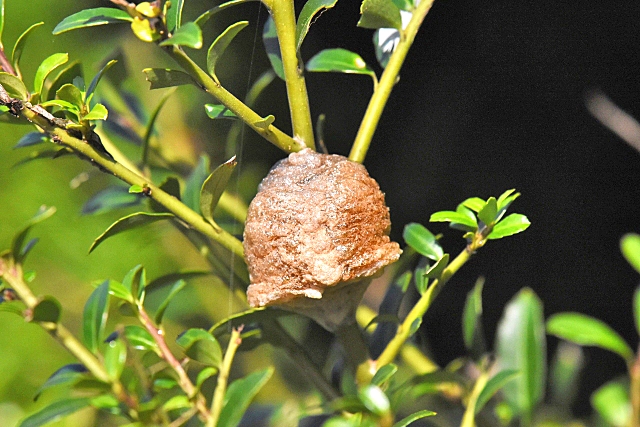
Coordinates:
x,y
177,402
341,61
151,124
504,201
472,316
612,403
493,386
16,53
272,47
189,35
585,330
30,139
215,111
422,240
177,287
265,122
164,77
44,153
384,374
454,218
204,375
136,189
171,278
512,224
374,400
115,356
98,112
68,374
240,394
70,94
636,308
566,371
489,211
109,199
143,29
521,346
140,338
129,222
193,184
48,309
414,417
174,15
436,269
92,18
202,19
118,290
64,105
55,411
136,280
94,316
474,203
46,67
214,186
70,73
380,14
17,244
630,247
200,345
96,79
415,325
14,86
306,18
221,43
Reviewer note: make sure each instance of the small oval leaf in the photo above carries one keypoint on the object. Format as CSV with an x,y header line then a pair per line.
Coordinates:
x,y
68,374
216,111
379,14
174,15
16,53
240,394
46,67
422,240
164,77
94,316
272,47
98,112
14,86
585,330
189,35
221,43
129,222
92,18
612,403
512,224
32,138
48,309
630,247
55,411
493,386
177,287
109,199
309,11
214,186
339,60
200,345
139,338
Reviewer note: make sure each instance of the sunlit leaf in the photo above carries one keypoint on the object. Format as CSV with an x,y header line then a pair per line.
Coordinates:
x,y
630,247
136,280
71,94
636,308
414,417
474,203
177,402
115,356
512,224
96,79
214,186
205,374
14,86
384,374
55,411
193,184
217,111
177,287
68,374
436,269
374,399
454,218
32,138
129,222
521,346
612,403
240,394
309,11
139,338
423,241
379,14
200,345
47,309
272,47
492,386
339,60
91,18
70,73
164,77
472,316
46,67
18,48
118,290
505,200
98,112
489,211
189,35
109,199
174,15
142,29
221,43
585,330
203,18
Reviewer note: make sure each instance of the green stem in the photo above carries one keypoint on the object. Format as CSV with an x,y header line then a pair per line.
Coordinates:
x,y
240,109
468,420
223,377
284,19
387,81
12,274
172,204
421,307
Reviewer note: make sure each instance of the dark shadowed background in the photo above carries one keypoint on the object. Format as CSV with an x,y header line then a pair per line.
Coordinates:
x,y
492,97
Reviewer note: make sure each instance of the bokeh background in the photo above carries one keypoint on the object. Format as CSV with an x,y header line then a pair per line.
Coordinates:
x,y
491,97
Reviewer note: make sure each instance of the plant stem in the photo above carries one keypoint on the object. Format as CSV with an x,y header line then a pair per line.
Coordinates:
x,y
183,379
421,307
284,19
468,420
172,204
12,274
223,377
387,81
240,109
